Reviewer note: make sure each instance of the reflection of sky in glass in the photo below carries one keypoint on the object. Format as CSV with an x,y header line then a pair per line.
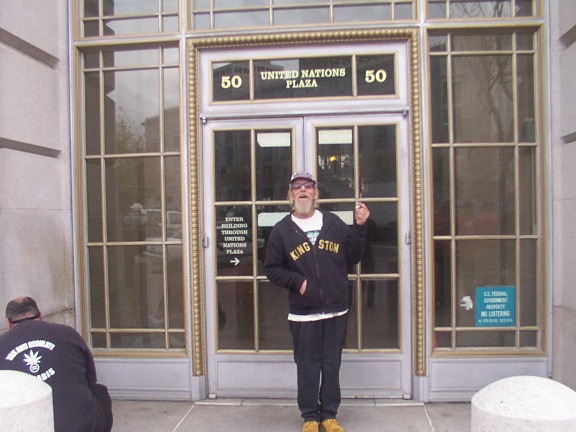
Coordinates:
x,y
130,7
136,97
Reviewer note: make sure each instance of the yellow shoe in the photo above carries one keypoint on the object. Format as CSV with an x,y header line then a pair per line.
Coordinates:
x,y
331,425
310,426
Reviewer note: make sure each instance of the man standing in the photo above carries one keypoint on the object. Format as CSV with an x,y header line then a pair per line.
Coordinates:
x,y
56,354
309,253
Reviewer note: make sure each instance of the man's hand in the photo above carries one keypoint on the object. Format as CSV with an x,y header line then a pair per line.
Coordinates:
x,y
303,287
362,213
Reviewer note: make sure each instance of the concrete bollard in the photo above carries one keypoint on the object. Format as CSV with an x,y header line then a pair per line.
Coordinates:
x,y
524,404
25,403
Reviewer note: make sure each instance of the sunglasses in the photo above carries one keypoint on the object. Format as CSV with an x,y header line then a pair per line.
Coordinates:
x,y
298,185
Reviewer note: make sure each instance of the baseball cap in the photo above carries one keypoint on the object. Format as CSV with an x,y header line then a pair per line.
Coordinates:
x,y
302,175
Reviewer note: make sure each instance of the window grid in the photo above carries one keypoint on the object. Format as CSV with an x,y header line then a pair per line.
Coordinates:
x,y
158,330
100,19
208,15
450,335
482,9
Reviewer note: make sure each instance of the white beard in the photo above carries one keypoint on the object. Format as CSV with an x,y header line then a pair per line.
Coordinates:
x,y
303,207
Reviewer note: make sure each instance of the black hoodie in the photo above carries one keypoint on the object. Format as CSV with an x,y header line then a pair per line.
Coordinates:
x,y
291,259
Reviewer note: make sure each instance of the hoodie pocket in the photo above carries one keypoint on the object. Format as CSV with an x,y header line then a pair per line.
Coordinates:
x,y
311,297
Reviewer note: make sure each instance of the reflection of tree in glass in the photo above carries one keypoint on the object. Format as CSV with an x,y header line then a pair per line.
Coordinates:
x,y
126,139
479,9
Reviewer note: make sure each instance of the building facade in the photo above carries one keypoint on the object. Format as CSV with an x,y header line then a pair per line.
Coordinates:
x,y
146,149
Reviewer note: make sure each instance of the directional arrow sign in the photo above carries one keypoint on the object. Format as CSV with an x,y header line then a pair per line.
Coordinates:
x,y
235,261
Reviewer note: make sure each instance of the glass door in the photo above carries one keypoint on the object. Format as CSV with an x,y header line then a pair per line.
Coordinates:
x,y
247,165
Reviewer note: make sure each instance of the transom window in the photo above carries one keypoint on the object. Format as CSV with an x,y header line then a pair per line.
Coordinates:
x,y
482,9
228,14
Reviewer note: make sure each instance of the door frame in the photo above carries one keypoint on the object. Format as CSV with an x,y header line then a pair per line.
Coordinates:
x,y
407,39
244,374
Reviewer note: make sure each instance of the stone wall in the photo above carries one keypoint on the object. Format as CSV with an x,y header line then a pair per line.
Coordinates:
x,y
563,159
36,249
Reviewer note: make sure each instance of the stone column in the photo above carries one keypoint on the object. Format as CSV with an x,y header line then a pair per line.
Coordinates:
x,y
25,403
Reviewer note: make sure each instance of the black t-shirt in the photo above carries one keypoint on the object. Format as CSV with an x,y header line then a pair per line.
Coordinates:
x,y
57,355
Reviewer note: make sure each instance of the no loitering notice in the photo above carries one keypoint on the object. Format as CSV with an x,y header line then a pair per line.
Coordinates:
x,y
496,306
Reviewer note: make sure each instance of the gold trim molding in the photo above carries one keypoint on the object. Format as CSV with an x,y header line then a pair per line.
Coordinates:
x,y
195,151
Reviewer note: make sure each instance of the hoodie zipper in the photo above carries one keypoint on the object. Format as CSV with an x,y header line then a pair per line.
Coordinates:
x,y
302,234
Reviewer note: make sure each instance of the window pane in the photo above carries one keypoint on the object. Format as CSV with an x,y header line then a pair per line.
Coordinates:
x,y
273,164
335,152
175,280
173,196
232,165
403,11
529,339
481,42
235,315
171,110
527,191
201,4
92,112
133,281
97,287
91,8
133,98
252,18
362,13
170,24
169,6
479,9
525,89
441,181
442,283
377,152
525,8
273,314
483,99
91,28
98,340
132,199
120,27
130,7
94,200
130,58
238,4
138,340
381,315
301,16
381,254
485,192
439,95
529,301
201,21
482,263
486,339
177,340
436,9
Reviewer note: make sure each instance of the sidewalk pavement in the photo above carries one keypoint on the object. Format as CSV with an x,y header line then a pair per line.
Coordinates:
x,y
247,415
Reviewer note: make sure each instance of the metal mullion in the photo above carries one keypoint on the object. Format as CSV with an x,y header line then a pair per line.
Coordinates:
x,y
452,189
104,201
162,119
254,243
357,196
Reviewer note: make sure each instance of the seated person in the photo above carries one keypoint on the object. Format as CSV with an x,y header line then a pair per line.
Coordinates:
x,y
56,354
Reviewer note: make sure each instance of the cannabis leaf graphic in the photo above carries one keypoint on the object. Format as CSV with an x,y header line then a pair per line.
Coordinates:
x,y
33,361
